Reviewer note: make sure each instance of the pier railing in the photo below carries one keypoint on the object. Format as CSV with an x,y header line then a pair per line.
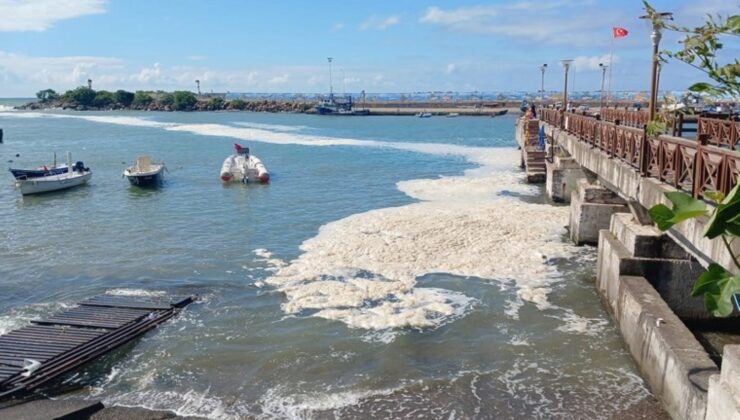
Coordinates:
x,y
721,132
632,118
693,166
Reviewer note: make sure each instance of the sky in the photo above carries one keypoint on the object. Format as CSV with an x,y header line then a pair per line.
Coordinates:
x,y
377,46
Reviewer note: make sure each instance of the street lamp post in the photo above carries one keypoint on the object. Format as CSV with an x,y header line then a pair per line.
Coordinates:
x,y
331,88
655,36
603,76
566,65
542,85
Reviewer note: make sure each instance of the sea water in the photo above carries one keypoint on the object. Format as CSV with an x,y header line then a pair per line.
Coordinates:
x,y
394,266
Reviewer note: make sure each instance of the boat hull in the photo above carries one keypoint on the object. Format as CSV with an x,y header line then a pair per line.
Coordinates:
x,y
52,183
241,168
150,177
145,180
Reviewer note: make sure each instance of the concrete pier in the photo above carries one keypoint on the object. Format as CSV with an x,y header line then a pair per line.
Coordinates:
x,y
645,276
591,209
630,249
563,174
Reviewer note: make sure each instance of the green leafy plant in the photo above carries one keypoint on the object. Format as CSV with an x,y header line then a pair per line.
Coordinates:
x,y
717,285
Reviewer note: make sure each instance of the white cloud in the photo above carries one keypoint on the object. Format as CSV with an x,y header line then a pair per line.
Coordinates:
x,y
43,72
39,15
279,80
337,27
585,63
570,22
379,23
451,68
197,57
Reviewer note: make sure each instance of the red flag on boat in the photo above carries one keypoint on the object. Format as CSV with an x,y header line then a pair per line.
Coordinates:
x,y
619,32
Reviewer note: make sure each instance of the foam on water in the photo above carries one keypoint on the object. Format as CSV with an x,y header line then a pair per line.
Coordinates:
x,y
274,127
20,317
135,292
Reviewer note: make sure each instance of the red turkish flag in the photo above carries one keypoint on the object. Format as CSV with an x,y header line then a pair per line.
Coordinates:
x,y
619,32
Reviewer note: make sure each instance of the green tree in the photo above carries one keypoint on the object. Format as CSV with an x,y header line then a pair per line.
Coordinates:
x,y
183,100
103,98
167,99
238,104
216,103
142,98
82,95
123,97
47,95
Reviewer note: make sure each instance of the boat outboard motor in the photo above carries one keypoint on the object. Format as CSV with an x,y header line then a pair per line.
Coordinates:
x,y
79,167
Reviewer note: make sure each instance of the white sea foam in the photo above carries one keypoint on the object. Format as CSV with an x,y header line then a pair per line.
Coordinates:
x,y
274,127
190,403
22,316
281,403
135,292
7,108
577,324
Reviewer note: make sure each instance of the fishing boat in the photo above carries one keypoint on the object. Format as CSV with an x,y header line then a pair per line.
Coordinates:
x,y
41,171
244,167
76,175
332,105
424,115
453,115
500,113
144,172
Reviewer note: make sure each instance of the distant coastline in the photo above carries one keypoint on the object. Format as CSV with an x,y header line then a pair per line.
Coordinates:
x,y
86,99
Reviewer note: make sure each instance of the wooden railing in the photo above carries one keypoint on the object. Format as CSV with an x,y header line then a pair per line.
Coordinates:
x,y
693,166
631,118
722,133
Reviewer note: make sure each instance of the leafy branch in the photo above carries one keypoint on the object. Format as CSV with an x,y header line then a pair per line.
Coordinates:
x,y
717,285
699,50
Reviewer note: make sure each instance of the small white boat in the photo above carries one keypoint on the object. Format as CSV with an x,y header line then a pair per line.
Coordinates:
x,y
77,175
144,172
424,115
453,115
244,167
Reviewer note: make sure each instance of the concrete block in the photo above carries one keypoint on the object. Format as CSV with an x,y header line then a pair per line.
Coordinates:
x,y
674,364
591,209
722,403
563,175
731,368
644,241
672,278
51,409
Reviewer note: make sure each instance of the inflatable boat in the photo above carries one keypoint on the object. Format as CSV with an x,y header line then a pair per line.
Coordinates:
x,y
244,167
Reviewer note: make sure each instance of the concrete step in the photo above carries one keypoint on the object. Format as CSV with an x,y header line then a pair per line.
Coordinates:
x,y
731,368
52,409
721,403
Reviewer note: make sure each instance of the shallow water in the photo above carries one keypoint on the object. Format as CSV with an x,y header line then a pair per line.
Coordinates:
x,y
393,267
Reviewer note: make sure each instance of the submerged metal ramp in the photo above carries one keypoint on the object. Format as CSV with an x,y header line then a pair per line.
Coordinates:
x,y
34,355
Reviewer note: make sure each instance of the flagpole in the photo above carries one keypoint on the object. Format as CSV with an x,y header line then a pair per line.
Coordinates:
x,y
611,66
